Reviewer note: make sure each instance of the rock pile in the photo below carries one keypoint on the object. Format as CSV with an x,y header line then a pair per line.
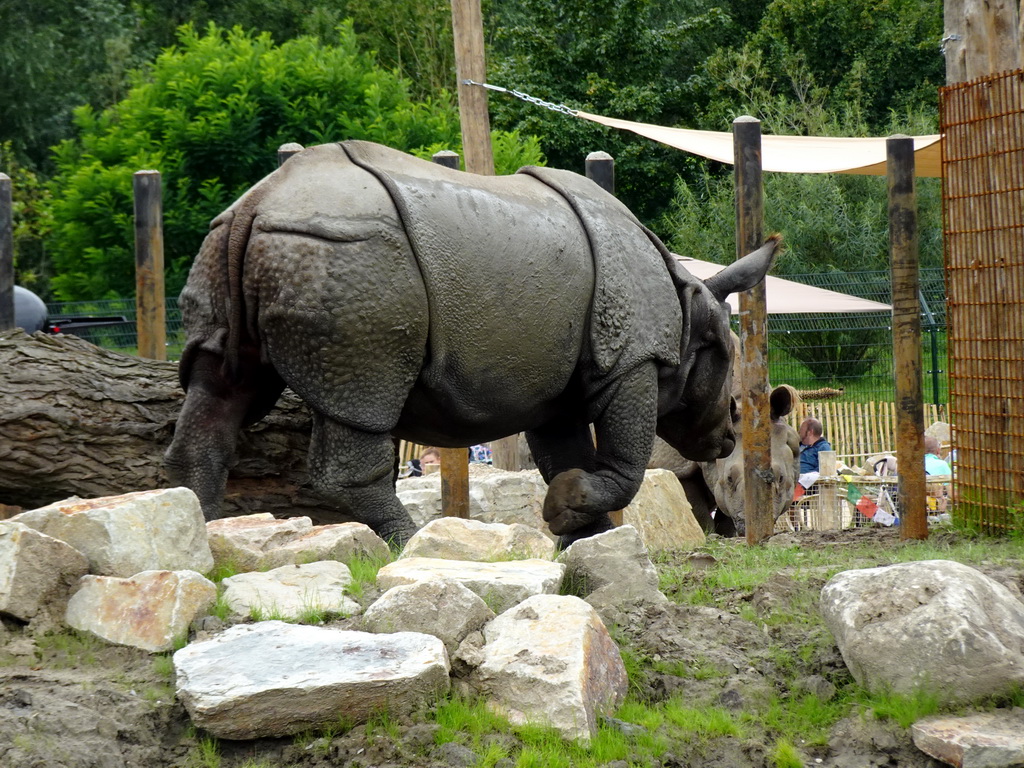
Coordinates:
x,y
471,602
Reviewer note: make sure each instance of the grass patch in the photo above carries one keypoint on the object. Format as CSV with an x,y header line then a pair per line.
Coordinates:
x,y
69,649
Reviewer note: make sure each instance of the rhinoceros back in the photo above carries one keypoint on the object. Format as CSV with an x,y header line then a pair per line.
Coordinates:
x,y
509,278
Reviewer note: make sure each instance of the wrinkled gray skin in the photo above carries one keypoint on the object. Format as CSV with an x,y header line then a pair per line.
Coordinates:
x,y
719,484
400,298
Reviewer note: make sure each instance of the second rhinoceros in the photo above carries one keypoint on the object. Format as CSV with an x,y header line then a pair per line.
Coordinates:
x,y
400,298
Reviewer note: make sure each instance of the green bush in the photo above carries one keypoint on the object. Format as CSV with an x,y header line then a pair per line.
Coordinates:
x,y
209,115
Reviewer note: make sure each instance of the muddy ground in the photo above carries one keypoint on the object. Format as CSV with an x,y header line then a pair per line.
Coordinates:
x,y
69,703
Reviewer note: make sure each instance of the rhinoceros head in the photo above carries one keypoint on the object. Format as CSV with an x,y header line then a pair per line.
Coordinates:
x,y
697,410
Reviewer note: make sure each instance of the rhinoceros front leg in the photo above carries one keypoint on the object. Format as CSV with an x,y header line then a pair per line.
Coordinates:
x,y
584,483
355,470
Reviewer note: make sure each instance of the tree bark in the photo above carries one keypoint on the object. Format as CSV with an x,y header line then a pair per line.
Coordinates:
x,y
78,420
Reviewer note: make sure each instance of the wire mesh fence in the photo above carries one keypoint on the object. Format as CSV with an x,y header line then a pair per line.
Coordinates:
x,y
983,211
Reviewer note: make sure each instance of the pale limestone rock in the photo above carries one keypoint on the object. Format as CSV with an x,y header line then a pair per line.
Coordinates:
x,y
272,679
979,740
933,623
340,541
550,660
37,572
151,610
660,512
242,542
495,496
123,535
501,585
612,572
291,591
447,610
454,538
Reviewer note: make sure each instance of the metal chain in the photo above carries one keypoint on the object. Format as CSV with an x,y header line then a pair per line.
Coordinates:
x,y
525,97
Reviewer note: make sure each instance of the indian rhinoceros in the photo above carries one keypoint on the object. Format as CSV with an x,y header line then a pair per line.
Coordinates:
x,y
399,298
719,485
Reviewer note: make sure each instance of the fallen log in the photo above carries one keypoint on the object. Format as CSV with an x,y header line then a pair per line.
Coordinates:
x,y
79,420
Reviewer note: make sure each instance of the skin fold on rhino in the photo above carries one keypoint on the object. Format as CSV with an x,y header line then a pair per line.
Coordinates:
x,y
399,298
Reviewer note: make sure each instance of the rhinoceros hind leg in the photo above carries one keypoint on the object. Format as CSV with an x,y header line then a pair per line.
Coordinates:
x,y
354,470
624,424
215,409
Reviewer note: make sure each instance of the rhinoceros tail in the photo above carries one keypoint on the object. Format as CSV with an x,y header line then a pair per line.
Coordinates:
x,y
237,242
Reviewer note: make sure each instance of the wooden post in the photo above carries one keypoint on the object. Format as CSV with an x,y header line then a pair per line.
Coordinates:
x,y
150,312
830,517
287,150
755,413
906,336
447,158
601,170
981,37
6,254
468,35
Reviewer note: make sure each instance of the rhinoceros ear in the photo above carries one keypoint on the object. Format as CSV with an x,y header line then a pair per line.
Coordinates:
x,y
744,274
782,401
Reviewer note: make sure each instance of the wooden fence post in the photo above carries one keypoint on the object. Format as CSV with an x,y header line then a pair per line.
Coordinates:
x,y
601,170
150,312
906,335
287,150
755,414
468,36
6,254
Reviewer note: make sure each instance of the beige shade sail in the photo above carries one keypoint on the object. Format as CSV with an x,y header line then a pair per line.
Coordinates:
x,y
785,297
790,154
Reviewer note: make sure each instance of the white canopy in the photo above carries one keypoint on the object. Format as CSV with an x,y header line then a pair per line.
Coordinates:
x,y
790,154
785,297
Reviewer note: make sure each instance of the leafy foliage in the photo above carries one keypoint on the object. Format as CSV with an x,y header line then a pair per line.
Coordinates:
x,y
210,116
626,58
31,221
55,56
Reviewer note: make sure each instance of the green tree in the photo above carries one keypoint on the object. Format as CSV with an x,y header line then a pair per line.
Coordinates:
x,y
632,59
210,115
31,222
55,56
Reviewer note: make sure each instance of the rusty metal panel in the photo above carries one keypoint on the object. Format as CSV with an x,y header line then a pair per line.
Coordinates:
x,y
983,212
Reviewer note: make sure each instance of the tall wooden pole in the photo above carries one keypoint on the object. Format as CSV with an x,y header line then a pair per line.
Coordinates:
x,y
6,254
906,335
150,312
468,34
755,413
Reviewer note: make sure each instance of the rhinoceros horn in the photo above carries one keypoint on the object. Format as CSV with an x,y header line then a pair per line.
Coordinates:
x,y
743,273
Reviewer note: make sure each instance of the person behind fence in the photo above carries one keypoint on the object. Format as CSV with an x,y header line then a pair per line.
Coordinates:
x,y
811,444
933,465
430,455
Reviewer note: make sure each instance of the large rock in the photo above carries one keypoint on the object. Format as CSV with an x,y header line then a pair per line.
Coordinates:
x,y
550,660
454,538
261,541
980,740
501,585
936,624
291,591
273,679
495,496
612,572
151,610
445,609
123,535
662,515
37,572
